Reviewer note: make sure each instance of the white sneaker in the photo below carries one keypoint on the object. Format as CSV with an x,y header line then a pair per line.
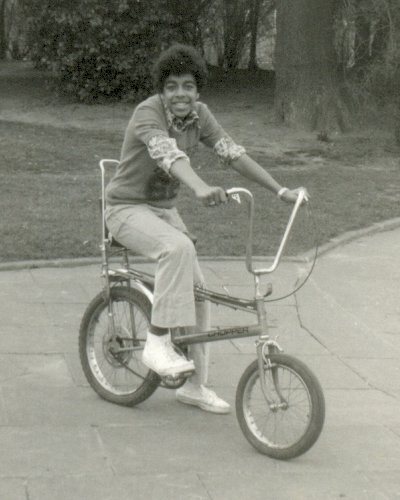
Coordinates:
x,y
202,397
160,356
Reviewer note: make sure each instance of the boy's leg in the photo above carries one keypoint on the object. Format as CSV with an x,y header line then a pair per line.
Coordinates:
x,y
200,353
141,229
194,391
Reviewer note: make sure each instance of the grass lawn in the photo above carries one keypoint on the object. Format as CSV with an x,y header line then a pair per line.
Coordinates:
x,y
50,178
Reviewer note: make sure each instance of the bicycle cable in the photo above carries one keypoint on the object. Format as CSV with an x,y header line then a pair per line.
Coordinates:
x,y
316,244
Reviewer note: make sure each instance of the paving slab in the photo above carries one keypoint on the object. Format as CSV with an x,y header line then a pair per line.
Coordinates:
x,y
32,338
343,447
361,407
149,486
34,370
50,451
4,418
279,485
337,327
13,489
187,450
388,483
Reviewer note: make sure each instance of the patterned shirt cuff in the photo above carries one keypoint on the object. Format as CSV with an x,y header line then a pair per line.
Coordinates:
x,y
227,150
164,151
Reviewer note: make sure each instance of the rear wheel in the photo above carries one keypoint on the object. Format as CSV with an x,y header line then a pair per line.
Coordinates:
x,y
292,421
111,349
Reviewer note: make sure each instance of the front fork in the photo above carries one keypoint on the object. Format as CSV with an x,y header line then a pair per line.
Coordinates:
x,y
265,347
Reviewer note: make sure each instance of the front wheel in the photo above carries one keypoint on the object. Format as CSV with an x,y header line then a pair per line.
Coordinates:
x,y
111,345
291,422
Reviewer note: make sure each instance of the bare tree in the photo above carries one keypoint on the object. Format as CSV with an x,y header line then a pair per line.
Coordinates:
x,y
12,29
259,12
307,80
236,27
254,16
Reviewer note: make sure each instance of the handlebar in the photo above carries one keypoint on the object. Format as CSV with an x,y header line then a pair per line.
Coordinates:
x,y
235,194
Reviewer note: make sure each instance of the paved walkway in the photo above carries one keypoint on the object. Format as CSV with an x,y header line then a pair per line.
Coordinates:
x,y
59,440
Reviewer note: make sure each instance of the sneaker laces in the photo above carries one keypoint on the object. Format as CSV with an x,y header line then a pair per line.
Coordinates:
x,y
208,394
171,354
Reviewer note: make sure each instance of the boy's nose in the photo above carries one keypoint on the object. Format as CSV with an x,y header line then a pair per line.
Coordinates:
x,y
180,90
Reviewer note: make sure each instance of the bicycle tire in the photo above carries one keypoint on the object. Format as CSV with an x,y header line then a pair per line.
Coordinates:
x,y
118,377
303,396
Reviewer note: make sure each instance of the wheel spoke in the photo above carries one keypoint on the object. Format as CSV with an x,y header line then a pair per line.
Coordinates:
x,y
111,350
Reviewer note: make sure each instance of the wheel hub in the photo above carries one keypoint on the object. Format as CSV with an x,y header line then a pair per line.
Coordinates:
x,y
117,349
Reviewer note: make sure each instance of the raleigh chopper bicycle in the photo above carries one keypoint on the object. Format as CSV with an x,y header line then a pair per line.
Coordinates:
x,y
279,402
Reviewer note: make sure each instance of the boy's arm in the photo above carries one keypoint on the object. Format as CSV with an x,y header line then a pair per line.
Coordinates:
x,y
209,195
250,169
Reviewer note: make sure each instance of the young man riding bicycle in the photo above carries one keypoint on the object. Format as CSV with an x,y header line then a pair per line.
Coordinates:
x,y
163,132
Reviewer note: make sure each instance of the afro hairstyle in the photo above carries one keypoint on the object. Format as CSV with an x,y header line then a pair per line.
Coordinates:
x,y
179,60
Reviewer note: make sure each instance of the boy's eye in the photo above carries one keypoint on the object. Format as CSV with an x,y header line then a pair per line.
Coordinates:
x,y
188,86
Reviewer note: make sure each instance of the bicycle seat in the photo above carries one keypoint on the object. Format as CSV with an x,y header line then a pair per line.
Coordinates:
x,y
113,242
116,244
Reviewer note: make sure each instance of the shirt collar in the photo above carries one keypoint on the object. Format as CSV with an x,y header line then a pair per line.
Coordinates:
x,y
181,124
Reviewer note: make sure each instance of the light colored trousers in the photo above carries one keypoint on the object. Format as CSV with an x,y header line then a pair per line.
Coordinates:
x,y
161,235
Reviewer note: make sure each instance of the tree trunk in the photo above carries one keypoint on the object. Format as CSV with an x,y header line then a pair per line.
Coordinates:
x,y
307,79
3,41
254,15
235,30
397,123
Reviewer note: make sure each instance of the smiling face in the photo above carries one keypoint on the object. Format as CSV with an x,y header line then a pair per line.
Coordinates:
x,y
180,94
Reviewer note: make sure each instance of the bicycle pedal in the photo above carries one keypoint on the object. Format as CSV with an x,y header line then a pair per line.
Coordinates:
x,y
169,382
187,374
